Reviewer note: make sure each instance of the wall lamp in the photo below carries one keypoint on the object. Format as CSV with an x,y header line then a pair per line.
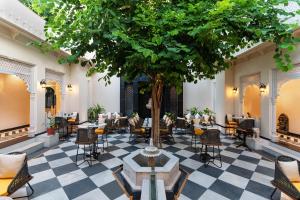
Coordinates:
x,y
43,83
235,90
69,86
262,88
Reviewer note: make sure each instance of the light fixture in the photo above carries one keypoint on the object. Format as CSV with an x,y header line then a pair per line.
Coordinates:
x,y
43,83
262,88
69,86
235,90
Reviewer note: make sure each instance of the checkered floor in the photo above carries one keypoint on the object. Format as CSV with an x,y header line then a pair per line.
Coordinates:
x,y
244,175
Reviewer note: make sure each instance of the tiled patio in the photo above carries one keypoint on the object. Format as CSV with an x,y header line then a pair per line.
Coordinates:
x,y
244,175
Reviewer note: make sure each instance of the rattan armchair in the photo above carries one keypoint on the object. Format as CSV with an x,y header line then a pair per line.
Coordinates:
x,y
281,181
137,130
121,124
166,132
22,178
73,121
86,137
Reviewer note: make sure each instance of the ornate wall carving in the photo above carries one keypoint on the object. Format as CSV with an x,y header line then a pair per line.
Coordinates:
x,y
55,76
20,69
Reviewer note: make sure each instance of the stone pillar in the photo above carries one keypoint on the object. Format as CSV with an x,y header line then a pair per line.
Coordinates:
x,y
33,115
274,135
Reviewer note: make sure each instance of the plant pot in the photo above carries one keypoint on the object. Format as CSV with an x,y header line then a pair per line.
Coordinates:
x,y
50,131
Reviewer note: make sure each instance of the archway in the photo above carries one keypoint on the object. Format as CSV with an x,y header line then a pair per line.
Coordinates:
x,y
251,101
15,108
53,98
287,103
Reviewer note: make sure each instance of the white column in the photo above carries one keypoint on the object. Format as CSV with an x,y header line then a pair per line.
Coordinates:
x,y
33,115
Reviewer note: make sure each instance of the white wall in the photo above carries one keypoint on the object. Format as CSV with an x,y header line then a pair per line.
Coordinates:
x,y
106,96
198,95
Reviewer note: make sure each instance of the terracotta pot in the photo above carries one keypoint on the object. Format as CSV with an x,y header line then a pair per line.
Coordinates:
x,y
50,131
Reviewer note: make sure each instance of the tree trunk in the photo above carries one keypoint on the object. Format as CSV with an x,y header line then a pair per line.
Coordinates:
x,y
156,95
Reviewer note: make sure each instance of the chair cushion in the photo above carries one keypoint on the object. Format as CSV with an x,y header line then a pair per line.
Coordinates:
x,y
10,165
99,131
290,169
139,130
71,120
198,131
297,185
4,183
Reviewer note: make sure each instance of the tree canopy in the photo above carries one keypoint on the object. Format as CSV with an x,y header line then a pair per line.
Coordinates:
x,y
179,40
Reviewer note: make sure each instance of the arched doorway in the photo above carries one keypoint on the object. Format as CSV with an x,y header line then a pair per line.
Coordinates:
x,y
287,105
251,102
15,108
53,98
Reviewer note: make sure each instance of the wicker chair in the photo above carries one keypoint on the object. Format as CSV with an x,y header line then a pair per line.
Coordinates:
x,y
61,126
211,138
122,124
22,178
110,125
166,132
281,181
182,124
86,137
230,125
73,120
137,130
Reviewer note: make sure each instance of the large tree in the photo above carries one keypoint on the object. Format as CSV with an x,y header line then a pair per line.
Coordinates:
x,y
169,41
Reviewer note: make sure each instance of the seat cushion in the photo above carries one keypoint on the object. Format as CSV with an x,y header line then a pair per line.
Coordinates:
x,y
139,130
99,131
297,185
290,169
198,131
71,120
4,183
10,165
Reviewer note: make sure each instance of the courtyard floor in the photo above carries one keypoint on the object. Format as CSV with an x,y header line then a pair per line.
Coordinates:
x,y
244,175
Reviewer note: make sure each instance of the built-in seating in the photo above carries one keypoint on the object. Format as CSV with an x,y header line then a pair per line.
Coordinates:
x,y
14,173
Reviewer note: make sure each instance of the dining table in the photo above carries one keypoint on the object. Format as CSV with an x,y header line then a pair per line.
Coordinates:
x,y
89,126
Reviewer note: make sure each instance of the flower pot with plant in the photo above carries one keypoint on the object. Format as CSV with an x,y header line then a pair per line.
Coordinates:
x,y
51,125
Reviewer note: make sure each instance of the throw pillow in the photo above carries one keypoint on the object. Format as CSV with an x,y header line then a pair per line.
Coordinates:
x,y
10,165
291,170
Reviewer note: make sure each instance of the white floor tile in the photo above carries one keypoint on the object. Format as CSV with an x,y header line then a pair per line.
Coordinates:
x,y
245,165
267,164
96,194
42,176
261,178
119,152
230,154
184,153
251,196
60,162
111,163
103,178
36,161
211,195
123,197
53,151
202,179
53,195
234,179
190,163
71,177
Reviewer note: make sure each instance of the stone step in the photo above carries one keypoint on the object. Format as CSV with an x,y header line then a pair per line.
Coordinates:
x,y
277,150
28,146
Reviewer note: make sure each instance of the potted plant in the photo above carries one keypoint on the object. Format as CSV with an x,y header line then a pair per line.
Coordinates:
x,y
94,111
51,125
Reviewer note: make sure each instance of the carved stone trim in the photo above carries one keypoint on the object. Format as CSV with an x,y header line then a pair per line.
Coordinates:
x,y
20,69
55,76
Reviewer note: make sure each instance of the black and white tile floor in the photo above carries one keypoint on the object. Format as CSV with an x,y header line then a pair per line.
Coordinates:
x,y
244,175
